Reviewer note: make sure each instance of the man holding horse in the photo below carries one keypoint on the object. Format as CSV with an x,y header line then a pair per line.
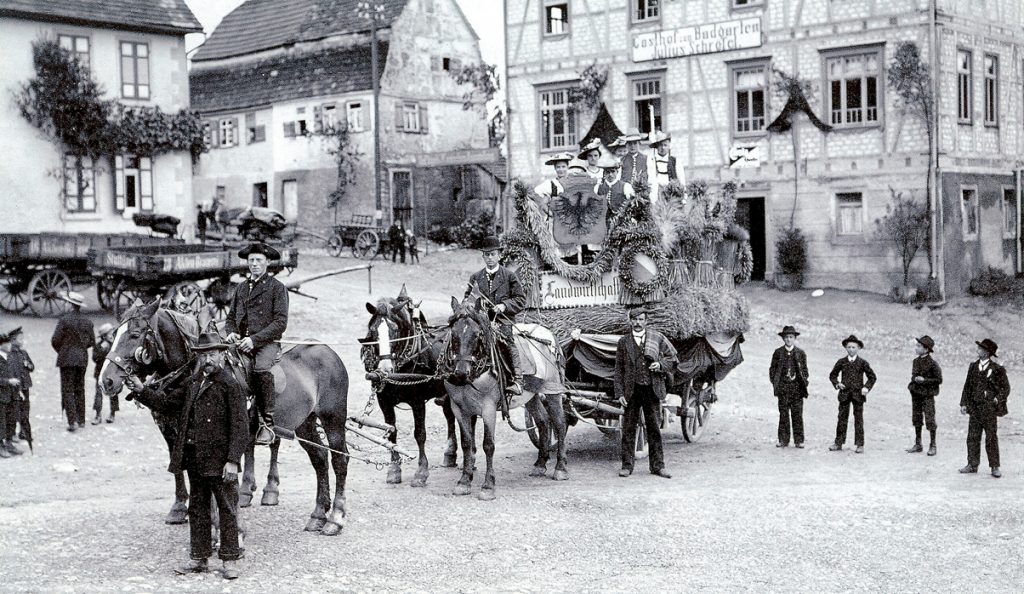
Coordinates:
x,y
213,432
256,321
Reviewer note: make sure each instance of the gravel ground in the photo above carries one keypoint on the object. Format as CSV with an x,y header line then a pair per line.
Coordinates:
x,y
85,513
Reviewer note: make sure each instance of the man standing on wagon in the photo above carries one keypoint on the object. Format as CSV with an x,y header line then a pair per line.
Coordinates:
x,y
256,321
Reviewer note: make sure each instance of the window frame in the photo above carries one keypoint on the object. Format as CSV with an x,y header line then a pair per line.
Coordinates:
x,y
965,233
639,77
135,69
634,9
880,81
967,119
734,68
74,37
145,165
544,6
410,109
360,111
391,189
572,119
991,119
227,129
1010,233
75,165
839,198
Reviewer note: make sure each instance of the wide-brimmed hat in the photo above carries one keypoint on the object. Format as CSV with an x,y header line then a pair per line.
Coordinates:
x,y
633,135
927,342
617,143
259,248
789,330
989,345
593,145
105,328
559,158
209,341
609,162
854,339
73,298
578,164
489,244
657,137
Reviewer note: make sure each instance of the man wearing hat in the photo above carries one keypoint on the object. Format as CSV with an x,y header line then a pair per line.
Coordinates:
x,y
591,153
72,339
984,399
99,355
662,165
20,360
256,321
634,163
504,294
618,148
853,377
789,376
213,432
613,188
10,386
552,188
925,377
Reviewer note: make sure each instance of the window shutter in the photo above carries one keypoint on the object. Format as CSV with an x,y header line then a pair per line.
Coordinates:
x,y
261,133
424,120
289,129
318,118
146,184
399,118
119,183
236,140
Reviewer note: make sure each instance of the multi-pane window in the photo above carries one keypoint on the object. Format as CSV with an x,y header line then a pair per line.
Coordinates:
x,y
749,84
647,104
301,126
79,184
1009,205
134,70
411,117
133,183
854,91
991,90
556,17
646,10
77,45
329,116
849,214
354,116
969,212
228,132
964,86
557,120
208,134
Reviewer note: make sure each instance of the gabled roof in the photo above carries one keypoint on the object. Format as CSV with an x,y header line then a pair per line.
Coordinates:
x,y
259,25
165,16
282,78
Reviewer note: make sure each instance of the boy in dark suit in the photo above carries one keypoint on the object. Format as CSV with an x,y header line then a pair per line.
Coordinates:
x,y
789,376
925,377
854,378
10,386
984,399
20,360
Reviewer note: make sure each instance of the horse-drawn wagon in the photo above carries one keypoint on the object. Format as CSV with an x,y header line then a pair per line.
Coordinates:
x,y
362,234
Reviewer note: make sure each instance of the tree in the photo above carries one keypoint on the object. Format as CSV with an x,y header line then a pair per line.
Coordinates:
x,y
346,156
906,225
485,83
911,78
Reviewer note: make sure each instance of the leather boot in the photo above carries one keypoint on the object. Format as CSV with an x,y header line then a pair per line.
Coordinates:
x,y
4,453
98,419
265,407
192,566
12,449
110,419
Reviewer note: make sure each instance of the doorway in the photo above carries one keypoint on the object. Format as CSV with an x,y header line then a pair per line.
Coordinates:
x,y
259,194
750,216
290,199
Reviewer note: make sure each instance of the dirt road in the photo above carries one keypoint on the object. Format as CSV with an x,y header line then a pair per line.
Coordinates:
x,y
85,512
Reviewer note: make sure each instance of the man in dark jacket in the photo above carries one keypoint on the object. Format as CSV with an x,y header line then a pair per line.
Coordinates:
x,y
925,377
72,339
789,376
984,399
644,362
213,433
504,295
853,377
10,385
257,320
20,360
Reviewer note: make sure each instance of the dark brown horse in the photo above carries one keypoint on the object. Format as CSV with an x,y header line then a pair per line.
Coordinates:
x,y
474,391
151,340
406,345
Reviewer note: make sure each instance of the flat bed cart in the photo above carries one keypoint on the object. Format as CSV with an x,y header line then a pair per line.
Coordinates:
x,y
35,268
362,235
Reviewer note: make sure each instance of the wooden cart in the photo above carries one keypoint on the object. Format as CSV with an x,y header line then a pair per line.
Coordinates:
x,y
362,235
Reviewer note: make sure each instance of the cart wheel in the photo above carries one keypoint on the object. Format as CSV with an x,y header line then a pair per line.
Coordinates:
x,y
218,296
187,298
44,292
697,411
367,245
14,295
531,430
106,291
124,298
334,245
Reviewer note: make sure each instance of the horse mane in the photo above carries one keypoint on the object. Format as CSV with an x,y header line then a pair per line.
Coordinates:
x,y
186,324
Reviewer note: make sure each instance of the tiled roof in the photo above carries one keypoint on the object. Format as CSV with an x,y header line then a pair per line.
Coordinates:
x,y
146,15
259,25
282,78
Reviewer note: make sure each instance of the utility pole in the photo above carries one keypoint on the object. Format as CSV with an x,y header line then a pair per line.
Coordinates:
x,y
373,13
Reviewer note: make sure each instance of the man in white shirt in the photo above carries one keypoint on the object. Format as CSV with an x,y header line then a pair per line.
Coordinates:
x,y
661,165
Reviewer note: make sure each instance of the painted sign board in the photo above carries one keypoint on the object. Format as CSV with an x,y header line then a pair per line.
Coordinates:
x,y
708,38
558,291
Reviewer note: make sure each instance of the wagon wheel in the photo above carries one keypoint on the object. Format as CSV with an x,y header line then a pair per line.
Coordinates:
x,y
334,245
367,245
124,297
185,297
45,290
531,430
218,296
106,291
697,411
14,295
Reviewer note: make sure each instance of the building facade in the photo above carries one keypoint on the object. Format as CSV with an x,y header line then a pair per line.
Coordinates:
x,y
707,72
137,54
274,75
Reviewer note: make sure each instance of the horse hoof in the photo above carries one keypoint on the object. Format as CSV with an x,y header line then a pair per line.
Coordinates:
x,y
450,461
244,499
561,475
394,478
538,471
315,525
461,489
269,498
330,529
485,495
176,518
419,481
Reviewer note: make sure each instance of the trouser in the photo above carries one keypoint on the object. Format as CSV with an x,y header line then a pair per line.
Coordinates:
x,y
844,420
225,493
923,411
5,414
987,421
643,399
72,392
509,354
414,255
791,411
97,402
395,250
24,412
264,359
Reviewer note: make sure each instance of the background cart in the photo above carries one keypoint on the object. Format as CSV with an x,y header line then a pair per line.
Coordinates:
x,y
362,235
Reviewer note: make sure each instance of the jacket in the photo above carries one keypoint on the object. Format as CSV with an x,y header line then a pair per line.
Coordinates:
x,y
505,289
99,355
8,371
986,392
25,364
851,375
640,166
259,310
778,366
632,362
930,372
72,339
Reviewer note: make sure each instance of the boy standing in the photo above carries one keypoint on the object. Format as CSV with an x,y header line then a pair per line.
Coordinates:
x,y
925,377
984,399
848,376
99,355
20,360
788,374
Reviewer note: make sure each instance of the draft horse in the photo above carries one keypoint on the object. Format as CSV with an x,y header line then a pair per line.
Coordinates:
x,y
153,340
474,390
407,346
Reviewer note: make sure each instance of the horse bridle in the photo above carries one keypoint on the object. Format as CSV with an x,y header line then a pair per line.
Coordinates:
x,y
143,354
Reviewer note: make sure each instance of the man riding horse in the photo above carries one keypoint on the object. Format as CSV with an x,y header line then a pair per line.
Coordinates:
x,y
256,321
